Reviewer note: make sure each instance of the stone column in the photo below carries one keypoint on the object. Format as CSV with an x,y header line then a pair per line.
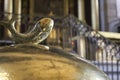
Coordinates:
x,y
17,10
66,7
8,9
81,12
31,9
95,14
81,39
118,8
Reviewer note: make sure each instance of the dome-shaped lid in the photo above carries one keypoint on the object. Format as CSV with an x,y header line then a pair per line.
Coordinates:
x,y
37,62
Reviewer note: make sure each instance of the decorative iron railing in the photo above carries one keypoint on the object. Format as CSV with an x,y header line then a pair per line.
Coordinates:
x,y
102,51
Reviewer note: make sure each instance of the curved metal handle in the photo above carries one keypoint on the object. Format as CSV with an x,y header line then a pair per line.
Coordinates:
x,y
37,34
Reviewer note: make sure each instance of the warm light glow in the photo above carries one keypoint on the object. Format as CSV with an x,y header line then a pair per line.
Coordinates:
x,y
4,76
53,34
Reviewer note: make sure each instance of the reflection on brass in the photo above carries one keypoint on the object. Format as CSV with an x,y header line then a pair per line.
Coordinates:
x,y
31,62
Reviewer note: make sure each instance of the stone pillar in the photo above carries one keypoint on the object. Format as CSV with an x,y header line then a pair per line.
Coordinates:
x,y
17,10
81,12
66,7
31,9
95,14
81,40
103,13
8,9
118,8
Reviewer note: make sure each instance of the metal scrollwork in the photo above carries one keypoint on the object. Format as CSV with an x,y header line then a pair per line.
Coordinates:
x,y
85,30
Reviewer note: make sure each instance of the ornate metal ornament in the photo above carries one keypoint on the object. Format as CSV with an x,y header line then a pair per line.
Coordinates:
x,y
38,33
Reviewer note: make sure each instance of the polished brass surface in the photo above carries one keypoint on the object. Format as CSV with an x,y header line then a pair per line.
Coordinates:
x,y
37,62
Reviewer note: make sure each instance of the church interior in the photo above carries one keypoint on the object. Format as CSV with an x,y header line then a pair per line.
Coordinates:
x,y
87,28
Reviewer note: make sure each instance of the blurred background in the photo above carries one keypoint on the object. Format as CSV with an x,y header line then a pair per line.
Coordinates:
x,y
102,16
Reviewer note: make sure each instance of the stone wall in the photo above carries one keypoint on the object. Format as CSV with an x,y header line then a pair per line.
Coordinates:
x,y
111,10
